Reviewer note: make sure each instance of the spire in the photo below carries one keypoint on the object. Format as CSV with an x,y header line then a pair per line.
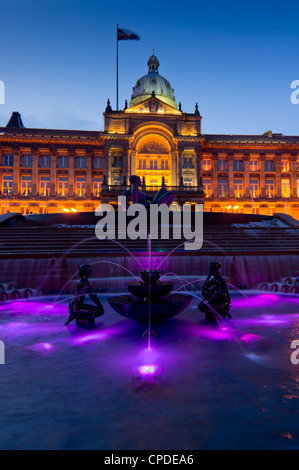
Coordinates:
x,y
15,120
196,112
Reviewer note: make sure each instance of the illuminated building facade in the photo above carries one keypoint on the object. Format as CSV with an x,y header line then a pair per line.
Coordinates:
x,y
55,170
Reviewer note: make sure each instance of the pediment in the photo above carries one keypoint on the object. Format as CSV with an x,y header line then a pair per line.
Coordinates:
x,y
153,106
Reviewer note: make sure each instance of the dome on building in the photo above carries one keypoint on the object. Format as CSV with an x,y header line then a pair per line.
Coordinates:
x,y
153,81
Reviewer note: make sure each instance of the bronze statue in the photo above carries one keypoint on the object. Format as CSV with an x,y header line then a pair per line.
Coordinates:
x,y
162,197
79,310
215,292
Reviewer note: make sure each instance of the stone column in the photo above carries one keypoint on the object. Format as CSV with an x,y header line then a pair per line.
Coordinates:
x,y
262,177
71,174
278,174
126,165
35,185
294,175
231,158
246,175
179,166
53,175
198,163
174,169
15,174
133,162
88,173
215,190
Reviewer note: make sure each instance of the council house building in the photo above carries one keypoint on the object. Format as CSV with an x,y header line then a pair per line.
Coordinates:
x,y
51,170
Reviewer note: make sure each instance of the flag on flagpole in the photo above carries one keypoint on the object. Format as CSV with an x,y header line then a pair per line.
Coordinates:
x,y
126,34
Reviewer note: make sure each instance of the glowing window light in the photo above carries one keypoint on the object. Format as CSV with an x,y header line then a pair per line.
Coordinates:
x,y
229,207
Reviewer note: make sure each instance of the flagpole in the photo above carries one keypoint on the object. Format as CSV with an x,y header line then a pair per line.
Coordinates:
x,y
117,67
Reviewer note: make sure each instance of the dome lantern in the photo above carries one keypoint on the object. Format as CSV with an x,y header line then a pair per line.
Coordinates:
x,y
153,63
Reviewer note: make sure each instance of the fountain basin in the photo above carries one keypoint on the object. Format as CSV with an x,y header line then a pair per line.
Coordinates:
x,y
158,290
160,309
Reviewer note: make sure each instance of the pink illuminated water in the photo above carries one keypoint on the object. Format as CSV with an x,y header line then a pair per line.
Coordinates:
x,y
197,387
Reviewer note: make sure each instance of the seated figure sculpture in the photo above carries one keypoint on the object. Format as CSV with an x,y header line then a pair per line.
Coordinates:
x,y
162,197
78,309
215,292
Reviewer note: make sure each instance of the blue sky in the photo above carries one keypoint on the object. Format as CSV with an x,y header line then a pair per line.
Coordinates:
x,y
236,60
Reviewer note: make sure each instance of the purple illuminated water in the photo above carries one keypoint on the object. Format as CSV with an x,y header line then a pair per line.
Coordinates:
x,y
198,387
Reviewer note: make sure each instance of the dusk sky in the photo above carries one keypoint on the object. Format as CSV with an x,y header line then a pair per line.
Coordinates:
x,y
236,60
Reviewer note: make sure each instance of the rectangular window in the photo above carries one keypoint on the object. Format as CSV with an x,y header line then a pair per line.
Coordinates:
x,y
7,160
97,186
238,188
164,165
117,161
188,163
80,186
26,185
253,165
222,165
63,185
206,165
238,165
81,163
63,161
207,187
285,165
7,184
285,188
270,190
44,185
142,164
269,165
98,163
45,161
222,186
154,164
26,161
254,188
188,182
118,180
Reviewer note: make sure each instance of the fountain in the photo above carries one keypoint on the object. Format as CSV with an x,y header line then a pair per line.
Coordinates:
x,y
151,293
151,299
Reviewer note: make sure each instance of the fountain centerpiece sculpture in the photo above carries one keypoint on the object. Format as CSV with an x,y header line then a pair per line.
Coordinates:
x,y
150,296
138,197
